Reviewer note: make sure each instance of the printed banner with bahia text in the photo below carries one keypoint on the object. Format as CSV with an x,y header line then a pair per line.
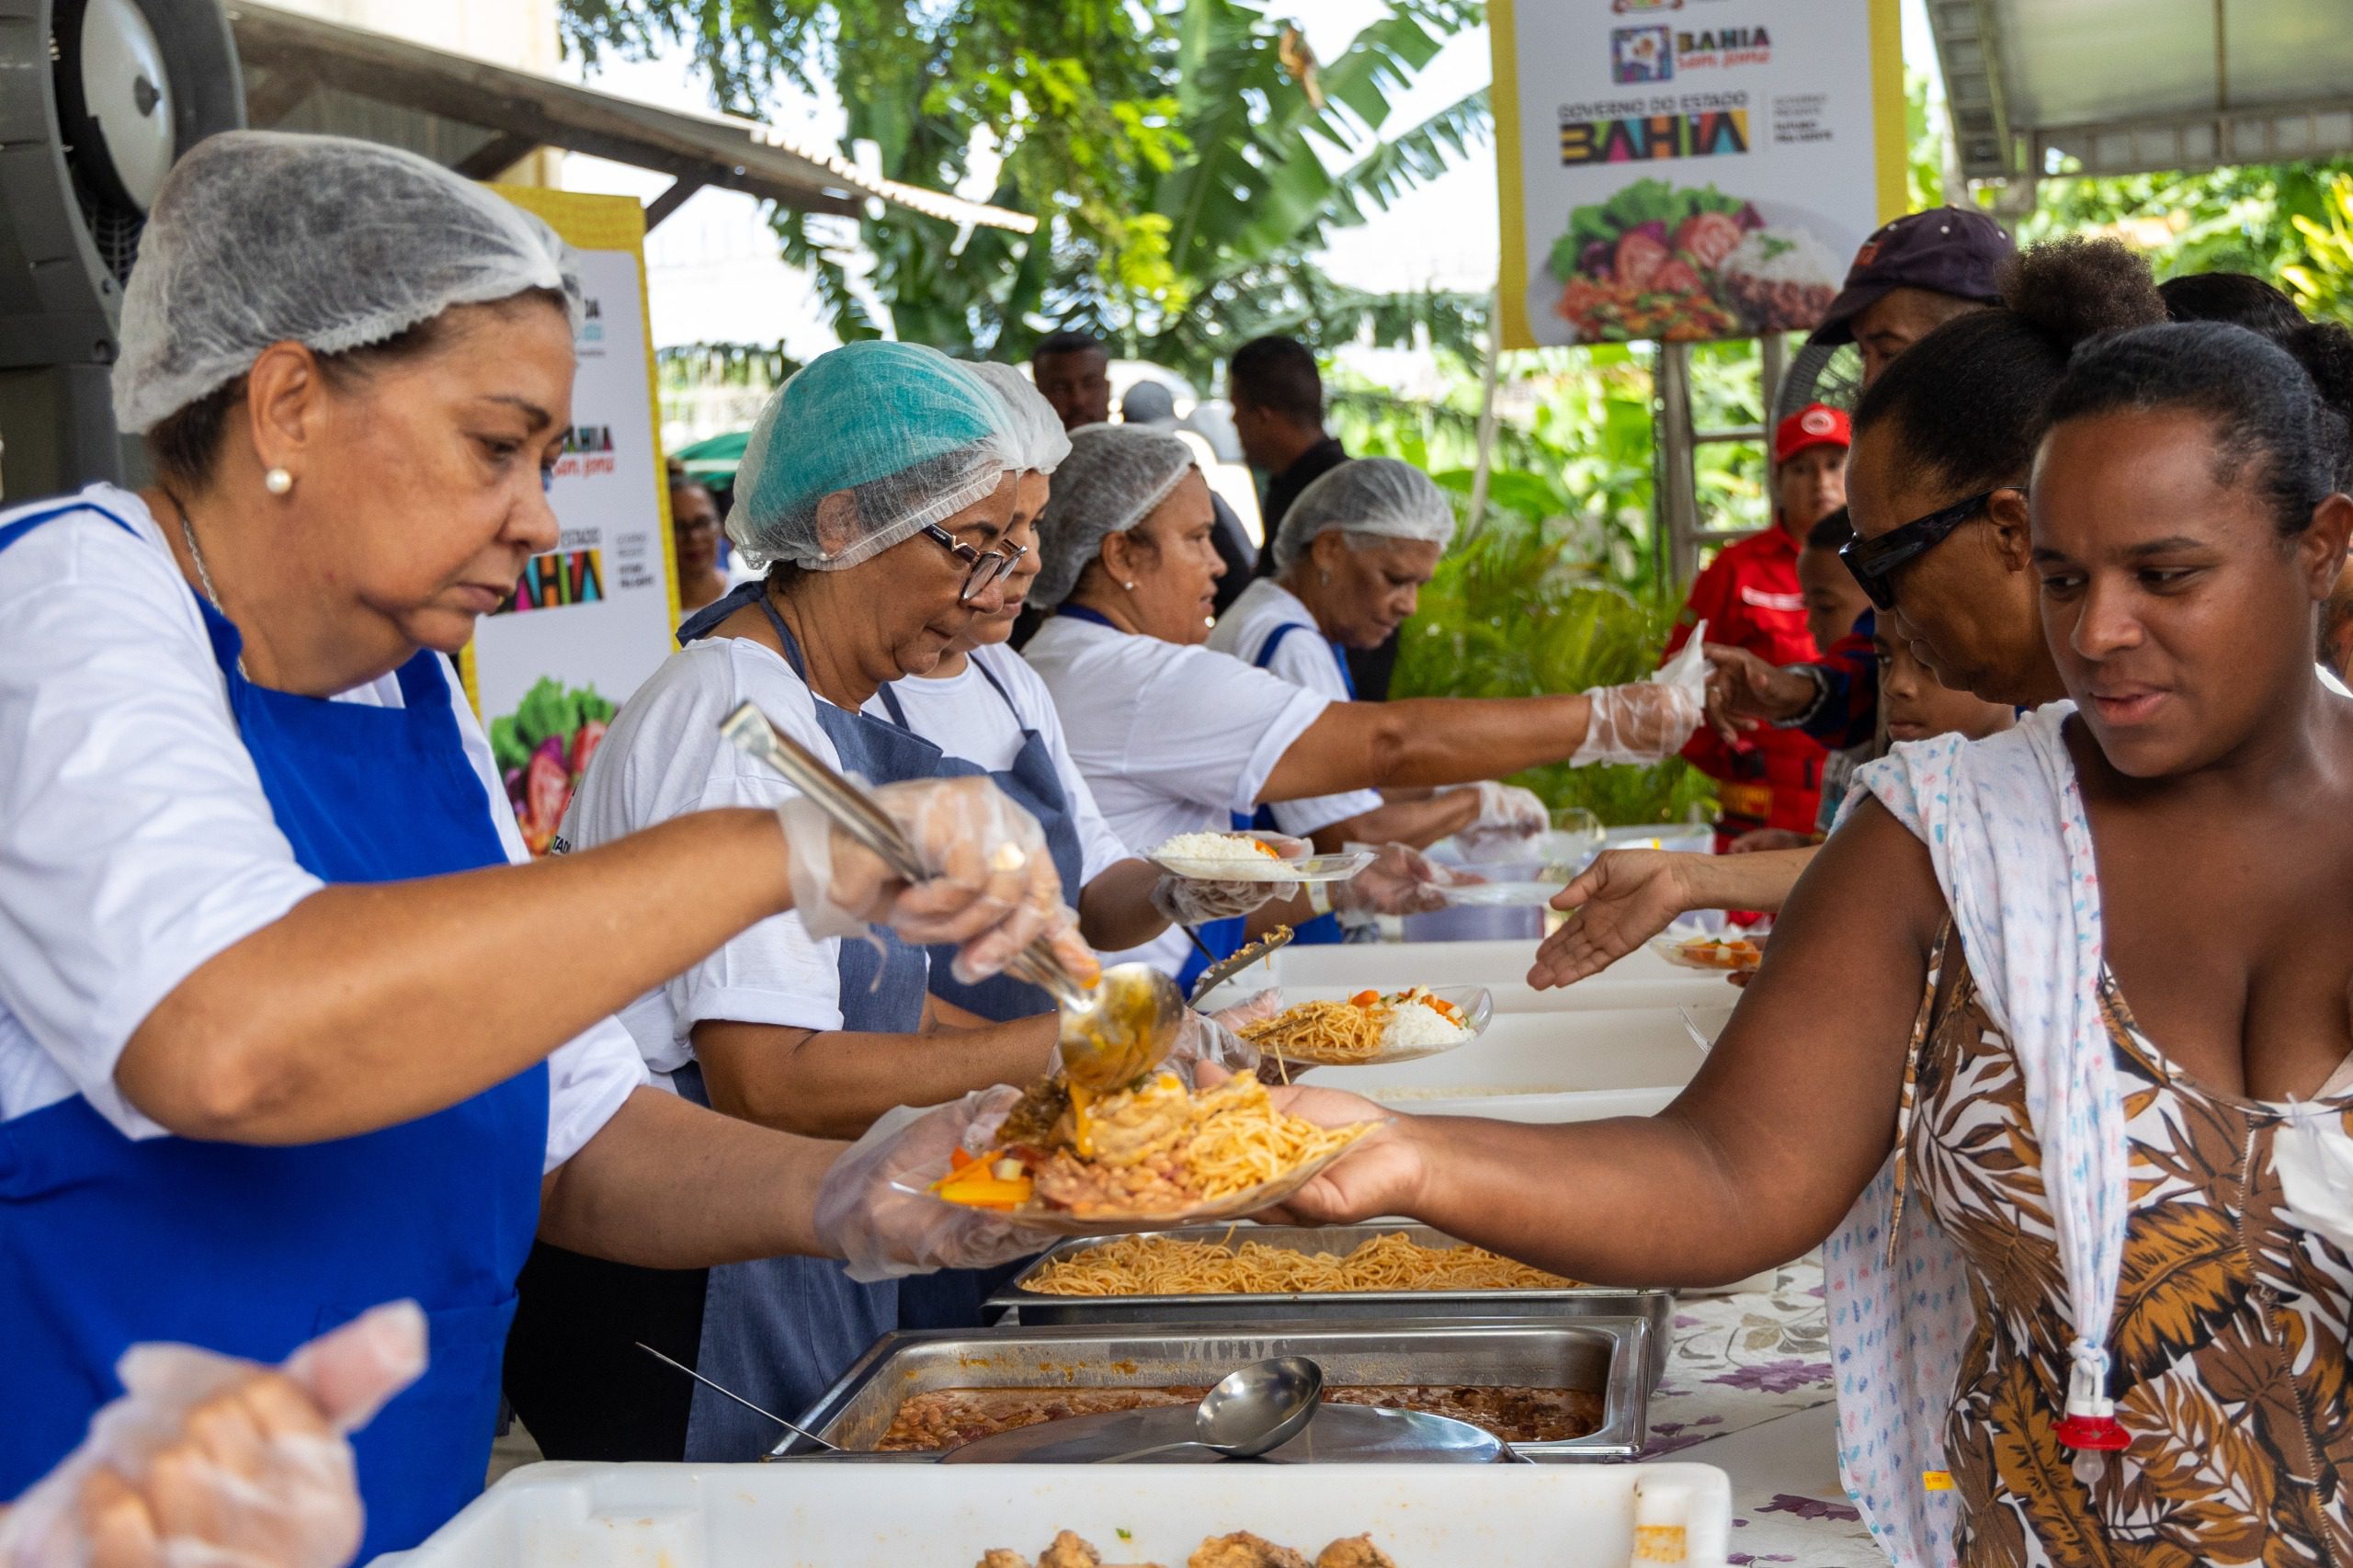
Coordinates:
x,y
1690,169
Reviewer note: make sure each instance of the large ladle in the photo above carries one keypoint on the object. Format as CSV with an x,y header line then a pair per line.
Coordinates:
x,y
1112,1031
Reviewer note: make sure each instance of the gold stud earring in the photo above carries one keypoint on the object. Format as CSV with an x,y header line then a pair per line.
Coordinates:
x,y
278,482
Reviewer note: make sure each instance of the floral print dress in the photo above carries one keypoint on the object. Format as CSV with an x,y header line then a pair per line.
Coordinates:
x,y
2229,1338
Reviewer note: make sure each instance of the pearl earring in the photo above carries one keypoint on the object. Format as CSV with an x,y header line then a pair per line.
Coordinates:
x,y
278,482
1130,586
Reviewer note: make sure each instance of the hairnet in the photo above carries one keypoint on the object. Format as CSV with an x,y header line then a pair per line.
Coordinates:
x,y
260,237
1365,496
1115,475
1039,442
912,437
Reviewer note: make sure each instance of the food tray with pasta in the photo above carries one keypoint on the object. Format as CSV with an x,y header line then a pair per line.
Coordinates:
x,y
1607,1360
1148,1157
1373,1027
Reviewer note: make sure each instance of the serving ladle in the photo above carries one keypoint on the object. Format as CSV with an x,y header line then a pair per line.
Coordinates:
x,y
1251,1412
1112,1032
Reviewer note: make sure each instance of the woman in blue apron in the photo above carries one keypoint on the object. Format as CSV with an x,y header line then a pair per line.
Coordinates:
x,y
1175,737
252,1035
878,485
1351,558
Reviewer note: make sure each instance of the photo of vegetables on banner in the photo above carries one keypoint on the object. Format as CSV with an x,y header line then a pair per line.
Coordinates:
x,y
1680,178
542,749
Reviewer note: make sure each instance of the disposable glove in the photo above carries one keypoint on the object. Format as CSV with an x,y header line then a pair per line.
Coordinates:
x,y
1648,720
1401,880
993,888
208,1461
884,1233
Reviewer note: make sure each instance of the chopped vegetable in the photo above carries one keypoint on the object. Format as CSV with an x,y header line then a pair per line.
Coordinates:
x,y
1365,999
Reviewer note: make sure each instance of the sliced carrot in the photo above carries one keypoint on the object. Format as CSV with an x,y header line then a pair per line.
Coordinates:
x,y
1364,999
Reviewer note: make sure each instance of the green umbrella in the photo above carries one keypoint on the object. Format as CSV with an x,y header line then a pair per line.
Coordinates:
x,y
714,462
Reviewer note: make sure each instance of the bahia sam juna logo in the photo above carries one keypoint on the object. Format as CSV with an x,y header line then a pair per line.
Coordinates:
x,y
1654,53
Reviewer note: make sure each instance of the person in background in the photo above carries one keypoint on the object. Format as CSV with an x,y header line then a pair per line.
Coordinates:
x,y
2237,297
1912,276
1835,609
1150,405
694,532
1913,705
1073,371
1750,600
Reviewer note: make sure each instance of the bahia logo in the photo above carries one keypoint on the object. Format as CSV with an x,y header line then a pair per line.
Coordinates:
x,y
1722,46
1641,54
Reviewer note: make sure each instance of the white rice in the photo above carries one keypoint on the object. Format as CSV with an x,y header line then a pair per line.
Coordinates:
x,y
1209,847
1783,255
1416,1024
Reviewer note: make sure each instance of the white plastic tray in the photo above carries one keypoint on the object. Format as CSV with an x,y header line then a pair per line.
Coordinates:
x,y
836,1516
1540,1054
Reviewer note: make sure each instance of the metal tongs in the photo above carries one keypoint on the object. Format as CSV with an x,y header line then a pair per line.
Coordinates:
x,y
1112,1031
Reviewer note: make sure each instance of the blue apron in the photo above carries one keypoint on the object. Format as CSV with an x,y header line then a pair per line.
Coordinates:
x,y
250,1250
1221,937
1324,928
781,1330
1035,785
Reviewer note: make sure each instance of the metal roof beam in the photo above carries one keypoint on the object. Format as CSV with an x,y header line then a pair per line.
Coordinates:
x,y
2269,134
1968,54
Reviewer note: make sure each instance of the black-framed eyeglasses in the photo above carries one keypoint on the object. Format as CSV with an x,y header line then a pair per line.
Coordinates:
x,y
985,566
1873,562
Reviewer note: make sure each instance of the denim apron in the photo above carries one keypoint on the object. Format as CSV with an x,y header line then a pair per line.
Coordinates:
x,y
1221,937
249,1250
1324,928
780,1331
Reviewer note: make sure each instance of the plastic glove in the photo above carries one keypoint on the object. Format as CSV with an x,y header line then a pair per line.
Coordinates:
x,y
1622,900
993,888
884,1233
1217,1037
1648,720
208,1461
1190,901
1401,880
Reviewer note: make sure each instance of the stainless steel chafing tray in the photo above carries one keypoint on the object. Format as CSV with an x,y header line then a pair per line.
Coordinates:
x,y
1608,1357
1655,1308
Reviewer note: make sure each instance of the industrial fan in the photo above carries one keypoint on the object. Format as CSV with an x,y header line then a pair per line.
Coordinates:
x,y
1829,373
100,98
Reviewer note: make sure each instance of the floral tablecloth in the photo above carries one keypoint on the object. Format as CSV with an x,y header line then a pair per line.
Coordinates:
x,y
1747,1387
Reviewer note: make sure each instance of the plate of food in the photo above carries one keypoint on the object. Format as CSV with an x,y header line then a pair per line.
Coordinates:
x,y
1730,952
1243,857
1683,264
1374,1028
1150,1157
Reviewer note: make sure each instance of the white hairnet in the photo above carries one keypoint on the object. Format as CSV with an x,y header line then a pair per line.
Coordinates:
x,y
1365,496
1040,443
903,433
1113,478
261,237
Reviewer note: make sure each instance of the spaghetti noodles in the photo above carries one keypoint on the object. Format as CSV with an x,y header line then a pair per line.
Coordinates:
x,y
1361,1029
1163,1266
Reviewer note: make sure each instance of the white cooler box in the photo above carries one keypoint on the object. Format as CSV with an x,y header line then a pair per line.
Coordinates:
x,y
896,1515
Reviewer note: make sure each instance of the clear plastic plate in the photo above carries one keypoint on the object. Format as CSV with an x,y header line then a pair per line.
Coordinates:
x,y
1118,1221
1507,896
1473,1001
1289,873
1689,950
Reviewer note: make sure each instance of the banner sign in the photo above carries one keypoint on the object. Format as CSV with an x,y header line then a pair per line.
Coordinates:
x,y
1690,169
592,618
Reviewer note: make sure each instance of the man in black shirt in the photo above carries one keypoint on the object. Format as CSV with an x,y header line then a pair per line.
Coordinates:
x,y
1279,415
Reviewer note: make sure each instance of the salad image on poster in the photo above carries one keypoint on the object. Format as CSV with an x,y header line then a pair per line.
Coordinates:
x,y
1685,264
542,749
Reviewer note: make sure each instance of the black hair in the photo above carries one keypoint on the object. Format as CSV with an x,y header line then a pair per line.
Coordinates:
x,y
184,447
1835,530
1966,400
1068,343
2239,296
2276,428
1278,374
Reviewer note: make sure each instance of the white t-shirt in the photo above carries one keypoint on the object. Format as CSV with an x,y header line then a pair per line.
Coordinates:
x,y
135,840
664,757
1172,739
1304,658
963,716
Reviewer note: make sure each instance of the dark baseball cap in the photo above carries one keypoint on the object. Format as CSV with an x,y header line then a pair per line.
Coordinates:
x,y
1946,250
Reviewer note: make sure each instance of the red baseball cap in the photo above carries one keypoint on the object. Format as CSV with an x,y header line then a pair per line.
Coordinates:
x,y
1815,425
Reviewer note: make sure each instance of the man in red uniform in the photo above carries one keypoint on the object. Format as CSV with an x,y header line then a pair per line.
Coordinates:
x,y
1750,598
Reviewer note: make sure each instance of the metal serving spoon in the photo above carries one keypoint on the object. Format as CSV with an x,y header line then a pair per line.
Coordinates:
x,y
1252,1411
1112,1031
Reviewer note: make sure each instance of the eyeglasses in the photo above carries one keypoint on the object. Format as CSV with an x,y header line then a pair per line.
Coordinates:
x,y
986,566
1873,562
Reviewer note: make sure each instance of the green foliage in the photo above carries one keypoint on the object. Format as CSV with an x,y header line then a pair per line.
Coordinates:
x,y
1924,145
2240,219
2322,282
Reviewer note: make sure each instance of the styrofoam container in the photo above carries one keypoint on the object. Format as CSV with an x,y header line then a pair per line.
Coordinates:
x,y
1540,1054
789,1515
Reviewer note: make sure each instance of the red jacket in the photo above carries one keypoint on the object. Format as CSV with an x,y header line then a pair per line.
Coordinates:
x,y
1750,597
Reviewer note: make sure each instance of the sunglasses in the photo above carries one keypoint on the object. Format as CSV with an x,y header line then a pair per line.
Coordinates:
x,y
1873,562
984,566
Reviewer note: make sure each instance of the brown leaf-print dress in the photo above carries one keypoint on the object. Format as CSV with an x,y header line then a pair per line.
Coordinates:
x,y
2229,1340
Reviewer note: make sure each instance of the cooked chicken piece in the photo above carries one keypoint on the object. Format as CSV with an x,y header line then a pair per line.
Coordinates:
x,y
998,1557
1243,1550
1069,1551
1357,1551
